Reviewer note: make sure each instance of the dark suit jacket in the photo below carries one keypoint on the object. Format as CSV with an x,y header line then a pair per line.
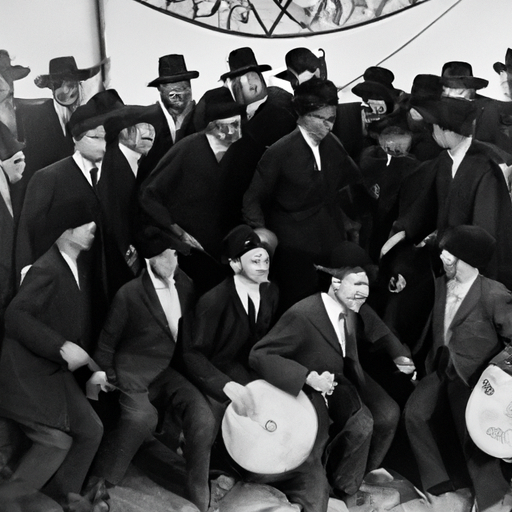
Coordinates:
x,y
481,326
6,257
221,337
48,310
304,340
136,341
494,122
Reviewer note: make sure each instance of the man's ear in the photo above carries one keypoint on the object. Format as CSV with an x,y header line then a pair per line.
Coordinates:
x,y
335,283
236,265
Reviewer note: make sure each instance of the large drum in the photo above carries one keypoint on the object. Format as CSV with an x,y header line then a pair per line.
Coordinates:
x,y
278,438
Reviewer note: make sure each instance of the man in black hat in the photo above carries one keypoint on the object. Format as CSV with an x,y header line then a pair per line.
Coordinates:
x,y
48,338
471,320
295,191
12,166
129,137
44,125
140,348
189,194
77,177
314,347
173,113
463,185
504,70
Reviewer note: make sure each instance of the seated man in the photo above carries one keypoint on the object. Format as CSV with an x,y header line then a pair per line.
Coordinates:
x,y
314,347
471,320
47,339
137,349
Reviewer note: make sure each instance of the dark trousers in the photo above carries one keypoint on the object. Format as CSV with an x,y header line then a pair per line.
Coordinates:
x,y
60,459
137,424
433,397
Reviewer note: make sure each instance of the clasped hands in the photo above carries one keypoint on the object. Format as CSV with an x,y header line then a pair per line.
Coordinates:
x,y
324,382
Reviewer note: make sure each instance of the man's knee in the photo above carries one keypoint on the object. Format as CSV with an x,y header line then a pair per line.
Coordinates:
x,y
140,414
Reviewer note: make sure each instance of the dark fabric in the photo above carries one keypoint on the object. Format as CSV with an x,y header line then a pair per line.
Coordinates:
x,y
7,278
478,331
163,140
494,122
348,127
438,204
302,206
217,348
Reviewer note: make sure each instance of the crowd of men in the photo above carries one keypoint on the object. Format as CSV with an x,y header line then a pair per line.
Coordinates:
x,y
172,254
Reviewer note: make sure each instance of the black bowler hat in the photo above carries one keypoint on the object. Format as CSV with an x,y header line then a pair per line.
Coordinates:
x,y
219,104
507,66
377,85
95,112
9,146
471,244
6,68
239,241
65,68
241,61
346,257
171,69
128,115
313,95
458,74
454,114
424,88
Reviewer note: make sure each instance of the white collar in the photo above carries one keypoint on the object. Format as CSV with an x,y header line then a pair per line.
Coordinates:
x,y
86,166
63,113
158,283
72,265
246,290
314,147
132,156
252,107
170,120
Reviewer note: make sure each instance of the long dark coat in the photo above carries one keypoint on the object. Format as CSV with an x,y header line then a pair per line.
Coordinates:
x,y
48,310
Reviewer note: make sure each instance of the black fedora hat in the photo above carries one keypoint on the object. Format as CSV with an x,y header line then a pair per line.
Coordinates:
x,y
6,68
314,94
457,74
507,66
9,146
345,258
241,61
171,69
377,85
65,68
424,88
127,115
239,241
454,114
219,104
95,112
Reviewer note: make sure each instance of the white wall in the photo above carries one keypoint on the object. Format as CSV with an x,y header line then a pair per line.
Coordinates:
x,y
36,31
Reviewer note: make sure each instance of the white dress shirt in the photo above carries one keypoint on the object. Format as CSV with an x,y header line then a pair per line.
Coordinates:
x,y
247,290
86,166
334,310
314,147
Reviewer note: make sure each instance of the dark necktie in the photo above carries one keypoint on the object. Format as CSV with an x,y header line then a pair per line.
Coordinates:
x,y
251,312
94,178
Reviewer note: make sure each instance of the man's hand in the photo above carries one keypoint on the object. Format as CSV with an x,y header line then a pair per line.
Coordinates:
x,y
241,398
74,355
324,383
395,239
405,364
98,382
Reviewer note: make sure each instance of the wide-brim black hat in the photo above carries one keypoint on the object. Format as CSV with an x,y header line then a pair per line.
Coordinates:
x,y
424,88
239,241
219,104
454,114
171,69
313,95
65,68
128,115
377,85
16,72
95,112
471,244
241,61
345,258
456,74
9,146
507,66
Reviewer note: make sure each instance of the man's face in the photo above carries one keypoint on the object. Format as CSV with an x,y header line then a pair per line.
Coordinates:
x,y
164,264
92,144
449,263
66,93
139,137
249,88
6,87
506,84
319,122
82,237
14,166
228,130
255,265
176,96
353,290
445,138
458,92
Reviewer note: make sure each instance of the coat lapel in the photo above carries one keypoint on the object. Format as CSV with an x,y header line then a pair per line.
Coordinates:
x,y
469,303
321,321
150,299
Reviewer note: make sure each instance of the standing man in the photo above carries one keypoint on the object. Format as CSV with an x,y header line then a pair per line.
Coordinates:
x,y
314,347
296,190
172,115
470,322
47,338
12,165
